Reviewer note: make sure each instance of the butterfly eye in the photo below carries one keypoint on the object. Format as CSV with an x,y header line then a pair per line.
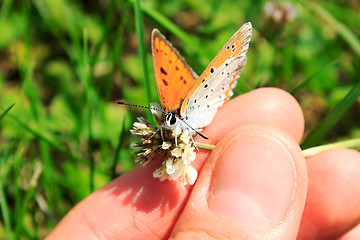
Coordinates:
x,y
170,119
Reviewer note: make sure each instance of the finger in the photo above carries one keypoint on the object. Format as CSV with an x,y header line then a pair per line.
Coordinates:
x,y
150,208
333,199
253,186
269,106
354,234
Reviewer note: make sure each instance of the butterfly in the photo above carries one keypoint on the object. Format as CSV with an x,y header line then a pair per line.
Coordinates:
x,y
189,101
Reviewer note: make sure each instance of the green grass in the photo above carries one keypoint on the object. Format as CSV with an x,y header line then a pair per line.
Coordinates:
x,y
66,63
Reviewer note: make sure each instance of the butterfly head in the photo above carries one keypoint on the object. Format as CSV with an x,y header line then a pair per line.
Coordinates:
x,y
171,120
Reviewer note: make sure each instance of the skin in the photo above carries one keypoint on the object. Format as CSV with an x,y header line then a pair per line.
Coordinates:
x,y
256,184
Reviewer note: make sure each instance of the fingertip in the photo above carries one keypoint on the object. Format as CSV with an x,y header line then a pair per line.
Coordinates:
x,y
253,184
269,106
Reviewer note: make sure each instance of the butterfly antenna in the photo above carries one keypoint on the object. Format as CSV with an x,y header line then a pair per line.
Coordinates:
x,y
135,105
201,135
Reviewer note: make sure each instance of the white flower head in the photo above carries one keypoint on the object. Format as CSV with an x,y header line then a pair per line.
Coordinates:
x,y
185,137
169,166
189,154
175,145
166,145
147,151
179,169
160,174
190,175
140,126
176,152
182,146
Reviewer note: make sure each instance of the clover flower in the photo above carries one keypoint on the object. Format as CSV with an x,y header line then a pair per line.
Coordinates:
x,y
176,147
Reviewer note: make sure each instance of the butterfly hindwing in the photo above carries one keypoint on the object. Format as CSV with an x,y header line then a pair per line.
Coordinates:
x,y
174,78
212,94
214,87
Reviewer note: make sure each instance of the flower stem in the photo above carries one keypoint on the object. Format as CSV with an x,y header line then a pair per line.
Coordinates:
x,y
205,146
353,143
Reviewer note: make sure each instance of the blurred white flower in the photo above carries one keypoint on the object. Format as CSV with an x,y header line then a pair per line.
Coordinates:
x,y
140,126
190,175
176,152
166,145
189,154
280,12
185,137
178,170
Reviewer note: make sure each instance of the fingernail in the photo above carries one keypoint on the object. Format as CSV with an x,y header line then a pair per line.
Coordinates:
x,y
253,182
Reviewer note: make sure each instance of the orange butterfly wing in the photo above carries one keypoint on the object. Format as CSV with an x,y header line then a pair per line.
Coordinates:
x,y
237,45
174,78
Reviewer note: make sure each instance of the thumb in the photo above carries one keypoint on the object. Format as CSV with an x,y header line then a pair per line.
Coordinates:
x,y
253,186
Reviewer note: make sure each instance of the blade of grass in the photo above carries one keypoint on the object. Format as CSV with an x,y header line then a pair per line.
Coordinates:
x,y
353,143
178,32
339,27
5,165
142,54
6,111
37,110
43,138
332,118
314,75
5,8
85,78
55,145
71,50
117,151
105,34
5,213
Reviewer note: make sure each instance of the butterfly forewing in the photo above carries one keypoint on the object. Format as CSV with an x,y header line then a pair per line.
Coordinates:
x,y
174,78
236,46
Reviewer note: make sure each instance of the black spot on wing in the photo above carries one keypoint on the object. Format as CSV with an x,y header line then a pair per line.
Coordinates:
x,y
163,71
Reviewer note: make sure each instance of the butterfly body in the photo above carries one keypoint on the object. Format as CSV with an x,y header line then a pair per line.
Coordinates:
x,y
191,102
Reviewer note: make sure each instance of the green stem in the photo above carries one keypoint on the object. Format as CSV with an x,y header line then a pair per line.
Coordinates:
x,y
353,143
205,146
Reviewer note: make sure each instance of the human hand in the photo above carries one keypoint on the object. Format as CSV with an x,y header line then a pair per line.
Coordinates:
x,y
254,185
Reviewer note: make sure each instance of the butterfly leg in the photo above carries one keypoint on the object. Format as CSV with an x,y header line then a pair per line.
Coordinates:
x,y
161,132
157,130
193,140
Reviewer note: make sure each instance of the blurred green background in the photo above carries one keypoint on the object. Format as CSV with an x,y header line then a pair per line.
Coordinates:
x,y
65,63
